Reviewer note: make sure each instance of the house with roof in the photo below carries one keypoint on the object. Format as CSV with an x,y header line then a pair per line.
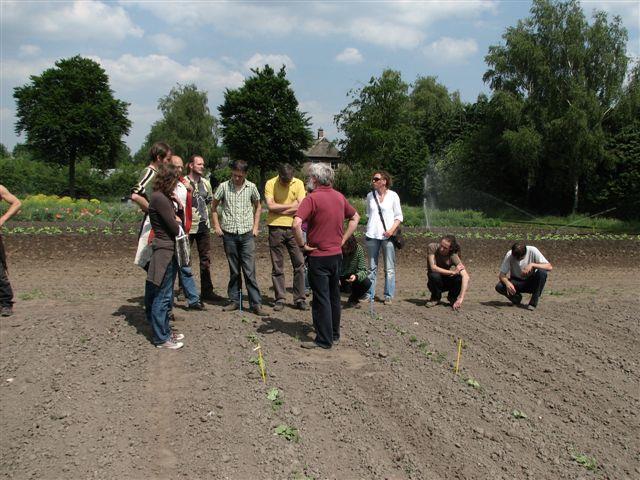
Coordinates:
x,y
322,150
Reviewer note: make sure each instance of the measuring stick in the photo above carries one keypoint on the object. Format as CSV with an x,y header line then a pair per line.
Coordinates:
x,y
261,364
455,370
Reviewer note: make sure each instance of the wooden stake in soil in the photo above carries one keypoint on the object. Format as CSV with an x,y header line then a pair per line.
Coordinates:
x,y
455,370
261,364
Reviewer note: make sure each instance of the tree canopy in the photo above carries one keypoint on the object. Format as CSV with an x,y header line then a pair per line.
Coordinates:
x,y
262,124
569,75
186,124
69,112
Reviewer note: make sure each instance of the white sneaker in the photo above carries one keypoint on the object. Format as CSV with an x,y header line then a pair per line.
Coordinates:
x,y
177,337
171,345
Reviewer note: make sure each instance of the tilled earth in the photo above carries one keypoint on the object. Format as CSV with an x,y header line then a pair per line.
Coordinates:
x,y
85,395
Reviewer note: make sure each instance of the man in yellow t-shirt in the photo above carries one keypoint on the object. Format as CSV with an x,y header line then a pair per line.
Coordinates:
x,y
283,194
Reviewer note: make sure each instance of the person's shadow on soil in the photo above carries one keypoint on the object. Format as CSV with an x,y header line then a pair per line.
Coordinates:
x,y
136,318
139,300
417,301
297,330
496,304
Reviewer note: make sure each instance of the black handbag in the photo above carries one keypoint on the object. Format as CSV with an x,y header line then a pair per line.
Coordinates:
x,y
397,238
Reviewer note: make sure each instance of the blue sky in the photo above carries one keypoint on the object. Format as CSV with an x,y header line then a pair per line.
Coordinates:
x,y
329,48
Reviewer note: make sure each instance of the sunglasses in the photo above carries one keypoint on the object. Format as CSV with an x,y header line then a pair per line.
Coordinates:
x,y
376,179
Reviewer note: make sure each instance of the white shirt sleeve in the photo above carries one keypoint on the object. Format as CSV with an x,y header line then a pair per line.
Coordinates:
x,y
536,256
506,263
397,209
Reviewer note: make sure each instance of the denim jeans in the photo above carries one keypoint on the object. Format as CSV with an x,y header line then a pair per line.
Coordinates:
x,y
240,251
389,258
188,285
158,302
324,276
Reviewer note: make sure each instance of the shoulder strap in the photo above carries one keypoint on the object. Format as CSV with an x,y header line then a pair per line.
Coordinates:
x,y
373,192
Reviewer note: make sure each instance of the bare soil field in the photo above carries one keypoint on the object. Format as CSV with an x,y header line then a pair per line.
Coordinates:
x,y
84,394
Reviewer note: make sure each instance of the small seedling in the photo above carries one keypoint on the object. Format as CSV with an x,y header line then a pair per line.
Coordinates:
x,y
586,461
290,433
413,339
275,397
254,360
253,338
440,357
473,383
244,319
519,414
33,294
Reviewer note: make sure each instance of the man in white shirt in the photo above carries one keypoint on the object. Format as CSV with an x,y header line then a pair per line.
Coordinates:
x,y
523,270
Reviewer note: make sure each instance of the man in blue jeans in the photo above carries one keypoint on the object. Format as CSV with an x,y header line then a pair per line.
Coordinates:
x,y
527,269
239,202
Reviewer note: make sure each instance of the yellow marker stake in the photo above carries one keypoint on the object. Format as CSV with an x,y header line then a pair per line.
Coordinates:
x,y
458,358
261,364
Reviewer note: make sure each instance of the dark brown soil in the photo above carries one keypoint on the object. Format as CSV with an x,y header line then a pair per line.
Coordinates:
x,y
85,395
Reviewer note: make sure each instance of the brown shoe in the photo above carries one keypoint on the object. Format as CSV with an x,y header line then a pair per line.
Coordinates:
x,y
257,310
230,308
278,306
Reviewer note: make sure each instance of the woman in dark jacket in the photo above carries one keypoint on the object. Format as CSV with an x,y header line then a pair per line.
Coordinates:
x,y
354,272
158,293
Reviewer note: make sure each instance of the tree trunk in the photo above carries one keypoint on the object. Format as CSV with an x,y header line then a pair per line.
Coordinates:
x,y
575,196
72,177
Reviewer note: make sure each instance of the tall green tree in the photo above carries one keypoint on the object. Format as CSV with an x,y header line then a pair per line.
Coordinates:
x,y
186,124
438,114
262,124
379,133
69,112
570,75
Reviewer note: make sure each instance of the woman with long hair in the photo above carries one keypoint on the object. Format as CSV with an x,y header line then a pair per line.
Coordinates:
x,y
163,267
384,217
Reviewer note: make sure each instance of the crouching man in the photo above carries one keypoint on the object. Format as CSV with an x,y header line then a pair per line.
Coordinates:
x,y
446,273
527,271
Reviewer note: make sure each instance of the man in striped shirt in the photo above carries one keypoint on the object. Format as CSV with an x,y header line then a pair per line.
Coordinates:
x,y
239,202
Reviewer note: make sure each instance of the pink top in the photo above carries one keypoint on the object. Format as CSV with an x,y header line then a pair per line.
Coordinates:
x,y
325,210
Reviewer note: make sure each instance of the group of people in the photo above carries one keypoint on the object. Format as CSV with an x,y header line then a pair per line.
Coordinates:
x,y
308,221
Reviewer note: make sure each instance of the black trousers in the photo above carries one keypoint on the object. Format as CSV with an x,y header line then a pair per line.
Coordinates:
x,y
6,294
203,243
533,284
437,284
324,277
356,289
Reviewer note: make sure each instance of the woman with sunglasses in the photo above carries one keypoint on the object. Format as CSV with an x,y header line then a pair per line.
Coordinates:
x,y
384,217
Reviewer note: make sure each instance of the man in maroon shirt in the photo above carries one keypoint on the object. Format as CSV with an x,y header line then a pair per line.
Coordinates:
x,y
324,210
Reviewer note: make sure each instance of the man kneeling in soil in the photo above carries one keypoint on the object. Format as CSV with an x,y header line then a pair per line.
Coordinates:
x,y
446,273
527,269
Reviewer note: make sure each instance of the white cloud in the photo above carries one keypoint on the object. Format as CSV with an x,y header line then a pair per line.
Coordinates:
x,y
167,43
28,50
388,24
232,18
6,114
451,50
350,56
80,20
626,9
259,60
130,72
17,72
386,34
